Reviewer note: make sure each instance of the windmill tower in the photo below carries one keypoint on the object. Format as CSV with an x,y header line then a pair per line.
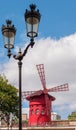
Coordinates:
x,y
40,102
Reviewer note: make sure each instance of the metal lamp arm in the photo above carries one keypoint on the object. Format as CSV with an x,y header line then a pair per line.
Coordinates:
x,y
25,51
20,54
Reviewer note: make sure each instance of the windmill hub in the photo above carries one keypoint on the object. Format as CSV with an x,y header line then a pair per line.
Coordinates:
x,y
45,91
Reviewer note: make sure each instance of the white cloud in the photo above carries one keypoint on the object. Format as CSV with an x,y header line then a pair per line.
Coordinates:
x,y
59,59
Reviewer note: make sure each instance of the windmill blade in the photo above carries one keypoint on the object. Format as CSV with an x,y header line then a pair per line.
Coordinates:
x,y
27,93
36,93
30,93
40,68
63,87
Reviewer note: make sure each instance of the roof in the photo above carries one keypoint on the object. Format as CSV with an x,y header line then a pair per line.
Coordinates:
x,y
37,94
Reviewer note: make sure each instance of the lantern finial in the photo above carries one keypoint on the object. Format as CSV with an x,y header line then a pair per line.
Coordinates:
x,y
32,7
8,22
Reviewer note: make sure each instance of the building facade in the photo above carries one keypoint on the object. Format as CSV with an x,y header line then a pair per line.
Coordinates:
x,y
55,116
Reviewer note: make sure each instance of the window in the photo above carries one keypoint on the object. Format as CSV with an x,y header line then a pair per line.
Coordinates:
x,y
37,111
43,112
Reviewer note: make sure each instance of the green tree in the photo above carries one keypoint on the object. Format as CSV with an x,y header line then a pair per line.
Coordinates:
x,y
72,116
8,99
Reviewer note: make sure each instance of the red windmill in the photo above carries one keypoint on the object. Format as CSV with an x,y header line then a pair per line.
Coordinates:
x,y
40,102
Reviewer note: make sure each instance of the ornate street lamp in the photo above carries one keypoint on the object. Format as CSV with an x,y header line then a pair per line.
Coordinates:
x,y
32,19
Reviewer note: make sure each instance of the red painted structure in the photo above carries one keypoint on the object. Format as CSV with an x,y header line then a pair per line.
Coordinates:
x,y
39,114
40,102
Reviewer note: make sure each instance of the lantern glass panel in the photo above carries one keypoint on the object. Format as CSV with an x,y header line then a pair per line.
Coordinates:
x,y
32,26
9,40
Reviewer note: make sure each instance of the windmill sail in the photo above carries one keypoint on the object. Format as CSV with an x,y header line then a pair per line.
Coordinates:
x,y
41,73
63,87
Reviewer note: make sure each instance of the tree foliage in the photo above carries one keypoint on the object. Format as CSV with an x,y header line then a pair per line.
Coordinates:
x,y
8,98
72,116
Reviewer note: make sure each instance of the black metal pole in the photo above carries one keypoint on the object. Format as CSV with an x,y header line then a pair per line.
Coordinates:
x,y
19,57
20,95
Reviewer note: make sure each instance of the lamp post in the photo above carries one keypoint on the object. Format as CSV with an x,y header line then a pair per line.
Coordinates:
x,y
32,19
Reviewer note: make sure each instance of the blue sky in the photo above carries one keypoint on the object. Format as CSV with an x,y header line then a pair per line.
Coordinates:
x,y
57,17
55,47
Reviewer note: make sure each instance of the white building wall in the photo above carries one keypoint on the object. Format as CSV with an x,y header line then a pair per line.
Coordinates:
x,y
55,116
